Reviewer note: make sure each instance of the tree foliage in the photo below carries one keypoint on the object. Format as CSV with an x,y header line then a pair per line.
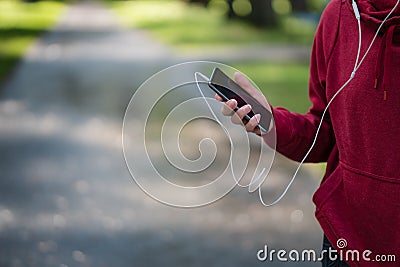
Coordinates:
x,y
263,13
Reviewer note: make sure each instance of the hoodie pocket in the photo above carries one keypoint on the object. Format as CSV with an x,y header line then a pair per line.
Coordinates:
x,y
359,189
362,208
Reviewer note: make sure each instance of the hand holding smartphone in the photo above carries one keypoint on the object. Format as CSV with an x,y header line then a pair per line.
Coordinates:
x,y
228,89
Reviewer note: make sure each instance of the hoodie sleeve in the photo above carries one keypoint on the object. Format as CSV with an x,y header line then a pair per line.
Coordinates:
x,y
295,132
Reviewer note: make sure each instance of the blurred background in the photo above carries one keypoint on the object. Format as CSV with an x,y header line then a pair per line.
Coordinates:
x,y
67,72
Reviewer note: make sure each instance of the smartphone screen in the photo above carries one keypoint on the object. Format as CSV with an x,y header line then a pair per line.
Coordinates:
x,y
226,88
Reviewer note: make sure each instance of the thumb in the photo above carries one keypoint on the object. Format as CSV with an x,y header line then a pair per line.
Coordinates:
x,y
241,80
245,83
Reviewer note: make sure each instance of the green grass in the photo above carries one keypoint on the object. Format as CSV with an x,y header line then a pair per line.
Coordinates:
x,y
20,24
273,81
182,25
187,27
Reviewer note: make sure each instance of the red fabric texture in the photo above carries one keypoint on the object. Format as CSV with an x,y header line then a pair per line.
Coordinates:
x,y
359,198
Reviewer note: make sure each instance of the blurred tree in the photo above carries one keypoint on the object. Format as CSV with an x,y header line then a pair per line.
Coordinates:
x,y
257,12
231,13
262,13
203,2
300,5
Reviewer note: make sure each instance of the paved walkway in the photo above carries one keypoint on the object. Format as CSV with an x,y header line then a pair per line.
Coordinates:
x,y
66,197
259,52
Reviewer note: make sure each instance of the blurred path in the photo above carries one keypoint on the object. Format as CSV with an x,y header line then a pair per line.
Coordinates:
x,y
66,198
83,59
265,52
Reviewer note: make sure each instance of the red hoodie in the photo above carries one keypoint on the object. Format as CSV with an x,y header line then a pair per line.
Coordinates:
x,y
359,198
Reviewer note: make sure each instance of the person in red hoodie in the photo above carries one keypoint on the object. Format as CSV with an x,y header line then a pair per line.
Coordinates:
x,y
358,200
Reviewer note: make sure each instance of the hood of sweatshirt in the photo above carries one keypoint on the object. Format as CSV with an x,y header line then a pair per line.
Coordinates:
x,y
373,12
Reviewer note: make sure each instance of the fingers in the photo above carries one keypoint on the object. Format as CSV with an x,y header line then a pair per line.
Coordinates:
x,y
228,110
228,107
217,97
238,116
251,126
240,113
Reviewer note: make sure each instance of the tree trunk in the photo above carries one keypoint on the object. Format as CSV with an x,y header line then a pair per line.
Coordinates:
x,y
203,2
262,13
299,5
231,14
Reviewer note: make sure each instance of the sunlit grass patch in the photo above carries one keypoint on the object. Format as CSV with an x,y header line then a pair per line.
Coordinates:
x,y
20,24
183,25
192,26
284,84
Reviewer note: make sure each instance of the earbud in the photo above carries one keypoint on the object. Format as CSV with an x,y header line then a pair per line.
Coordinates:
x,y
355,8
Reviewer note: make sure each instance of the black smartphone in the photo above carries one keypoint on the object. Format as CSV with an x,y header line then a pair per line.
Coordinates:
x,y
228,89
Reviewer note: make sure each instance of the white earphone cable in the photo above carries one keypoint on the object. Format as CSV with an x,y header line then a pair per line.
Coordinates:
x,y
357,65
237,181
377,32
